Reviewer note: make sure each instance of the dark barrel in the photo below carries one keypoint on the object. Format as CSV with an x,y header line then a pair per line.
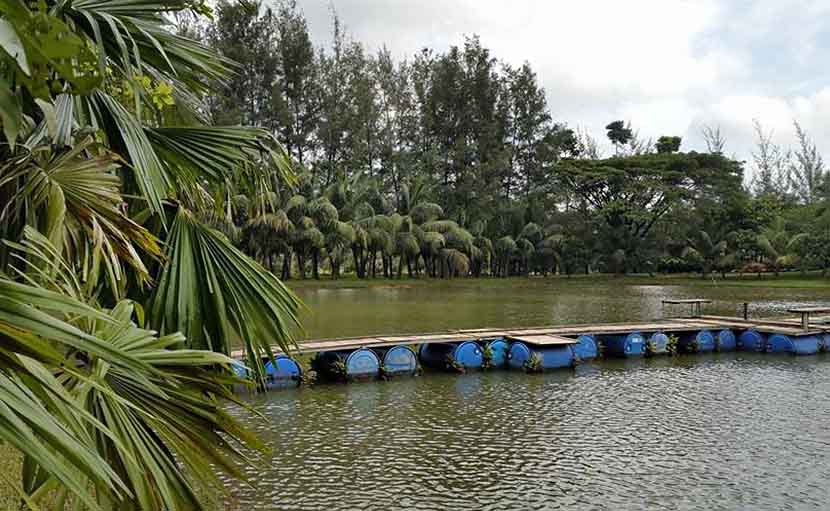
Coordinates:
x,y
726,341
751,340
630,345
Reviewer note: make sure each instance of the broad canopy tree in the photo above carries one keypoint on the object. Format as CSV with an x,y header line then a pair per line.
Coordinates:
x,y
630,195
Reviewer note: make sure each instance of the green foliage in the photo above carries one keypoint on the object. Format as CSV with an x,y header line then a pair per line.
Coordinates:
x,y
668,144
671,344
534,363
487,357
452,364
105,140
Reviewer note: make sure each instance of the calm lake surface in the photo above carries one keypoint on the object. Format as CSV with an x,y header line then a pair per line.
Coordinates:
x,y
728,431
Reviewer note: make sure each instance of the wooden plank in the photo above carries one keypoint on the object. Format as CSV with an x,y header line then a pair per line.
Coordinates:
x,y
770,327
545,340
809,310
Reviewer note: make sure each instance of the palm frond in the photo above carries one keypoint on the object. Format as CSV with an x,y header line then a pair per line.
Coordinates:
x,y
218,297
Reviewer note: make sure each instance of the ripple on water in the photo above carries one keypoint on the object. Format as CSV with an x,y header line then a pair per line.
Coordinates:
x,y
737,431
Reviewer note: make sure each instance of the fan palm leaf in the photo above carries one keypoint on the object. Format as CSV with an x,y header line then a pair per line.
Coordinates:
x,y
217,296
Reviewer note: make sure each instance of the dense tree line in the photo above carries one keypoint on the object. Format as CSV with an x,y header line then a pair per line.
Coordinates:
x,y
451,164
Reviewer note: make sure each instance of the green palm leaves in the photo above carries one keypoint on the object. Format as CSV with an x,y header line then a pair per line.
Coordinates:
x,y
113,146
93,399
217,296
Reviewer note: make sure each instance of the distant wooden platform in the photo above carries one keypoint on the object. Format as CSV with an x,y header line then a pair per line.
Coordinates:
x,y
562,335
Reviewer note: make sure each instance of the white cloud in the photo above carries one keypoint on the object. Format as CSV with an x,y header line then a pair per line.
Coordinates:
x,y
669,66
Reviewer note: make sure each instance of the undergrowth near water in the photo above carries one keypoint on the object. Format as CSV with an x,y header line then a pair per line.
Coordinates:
x,y
534,363
487,357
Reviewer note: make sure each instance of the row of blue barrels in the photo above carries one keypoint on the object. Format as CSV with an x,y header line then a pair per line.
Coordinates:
x,y
636,344
500,353
752,340
364,363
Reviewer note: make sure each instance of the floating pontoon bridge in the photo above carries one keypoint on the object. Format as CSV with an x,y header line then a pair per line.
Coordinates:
x,y
545,348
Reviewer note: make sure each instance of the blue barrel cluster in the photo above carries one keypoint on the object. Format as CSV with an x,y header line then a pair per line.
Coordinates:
x,y
367,364
637,344
752,340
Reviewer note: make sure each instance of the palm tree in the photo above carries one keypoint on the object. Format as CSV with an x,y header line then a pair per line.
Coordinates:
x,y
326,220
505,248
407,246
482,256
93,183
778,246
707,252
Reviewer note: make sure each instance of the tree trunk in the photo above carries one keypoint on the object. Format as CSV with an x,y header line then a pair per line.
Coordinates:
x,y
315,264
286,265
301,264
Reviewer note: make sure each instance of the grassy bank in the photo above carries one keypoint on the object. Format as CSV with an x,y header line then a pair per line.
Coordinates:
x,y
784,280
10,465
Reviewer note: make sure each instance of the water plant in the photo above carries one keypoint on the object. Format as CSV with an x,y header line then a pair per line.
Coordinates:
x,y
454,365
651,348
329,367
693,346
534,363
487,357
671,345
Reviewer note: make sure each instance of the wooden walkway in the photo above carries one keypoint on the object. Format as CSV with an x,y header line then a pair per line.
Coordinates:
x,y
562,335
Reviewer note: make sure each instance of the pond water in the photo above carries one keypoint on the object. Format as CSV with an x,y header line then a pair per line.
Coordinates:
x,y
480,303
726,431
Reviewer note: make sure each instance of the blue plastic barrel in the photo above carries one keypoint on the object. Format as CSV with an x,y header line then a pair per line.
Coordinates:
x,y
399,361
466,355
751,340
585,348
699,342
362,364
777,343
469,355
498,349
658,343
825,343
283,372
726,341
807,345
553,357
630,345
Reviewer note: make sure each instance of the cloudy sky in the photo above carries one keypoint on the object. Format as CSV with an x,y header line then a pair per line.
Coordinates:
x,y
668,66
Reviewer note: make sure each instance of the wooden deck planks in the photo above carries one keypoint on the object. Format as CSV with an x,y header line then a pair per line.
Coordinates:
x,y
545,340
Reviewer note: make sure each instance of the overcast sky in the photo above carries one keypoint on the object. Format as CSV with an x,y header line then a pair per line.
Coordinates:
x,y
668,66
